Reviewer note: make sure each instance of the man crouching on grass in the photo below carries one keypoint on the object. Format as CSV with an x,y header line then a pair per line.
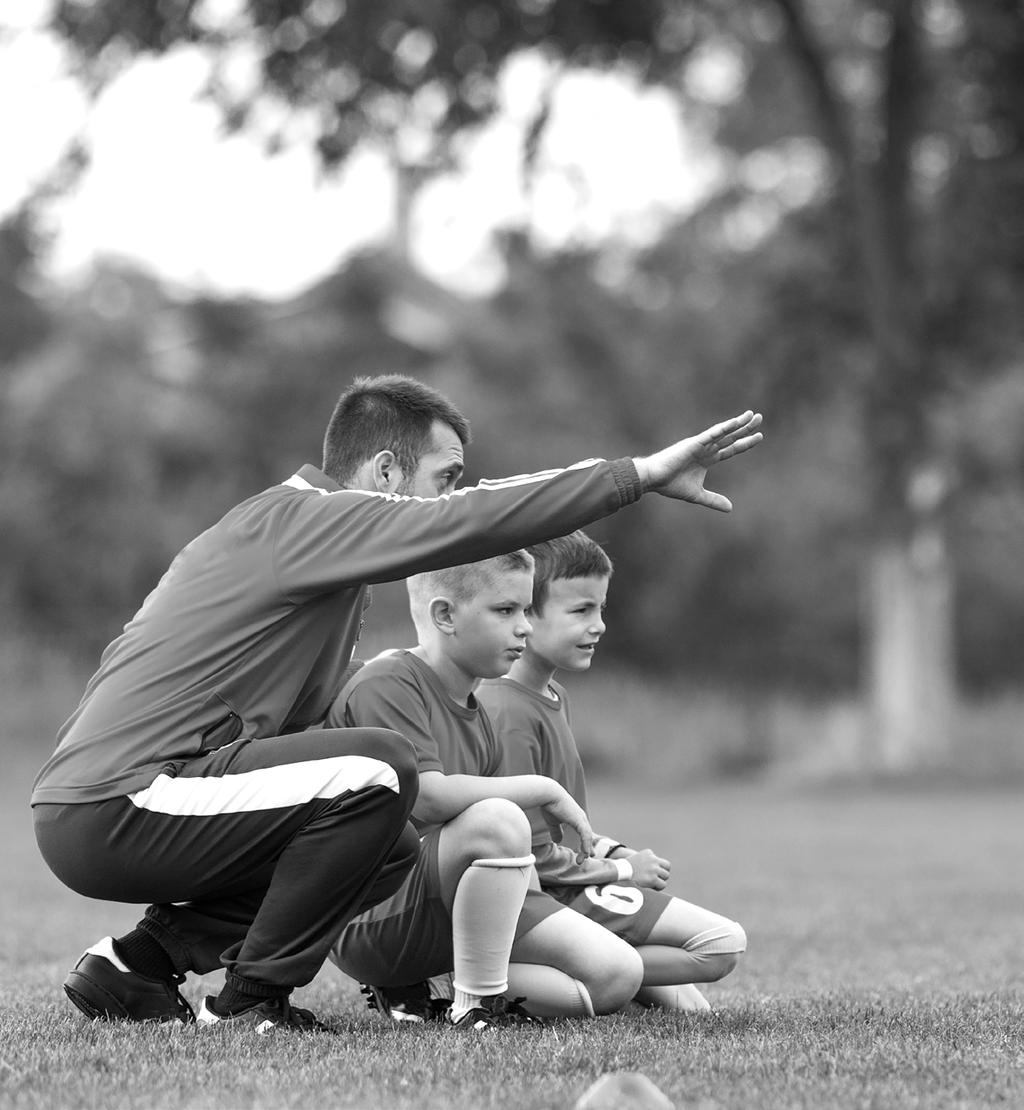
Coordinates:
x,y
195,774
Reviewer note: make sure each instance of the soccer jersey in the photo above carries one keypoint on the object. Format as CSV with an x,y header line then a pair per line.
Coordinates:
x,y
535,737
401,692
250,630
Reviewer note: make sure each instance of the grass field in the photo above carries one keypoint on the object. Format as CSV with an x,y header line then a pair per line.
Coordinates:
x,y
885,969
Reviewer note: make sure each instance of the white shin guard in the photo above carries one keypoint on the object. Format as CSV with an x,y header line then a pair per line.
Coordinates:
x,y
485,911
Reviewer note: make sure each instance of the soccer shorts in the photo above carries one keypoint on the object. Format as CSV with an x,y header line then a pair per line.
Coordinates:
x,y
408,937
627,910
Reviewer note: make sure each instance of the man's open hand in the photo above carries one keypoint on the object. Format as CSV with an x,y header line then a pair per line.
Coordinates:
x,y
679,471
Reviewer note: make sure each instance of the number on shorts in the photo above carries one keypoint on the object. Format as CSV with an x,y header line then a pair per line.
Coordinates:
x,y
625,900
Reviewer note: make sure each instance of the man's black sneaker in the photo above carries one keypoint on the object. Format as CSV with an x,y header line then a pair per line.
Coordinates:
x,y
103,986
265,1017
497,1010
412,1003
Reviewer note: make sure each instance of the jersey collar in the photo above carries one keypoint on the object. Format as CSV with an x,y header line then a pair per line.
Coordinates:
x,y
309,477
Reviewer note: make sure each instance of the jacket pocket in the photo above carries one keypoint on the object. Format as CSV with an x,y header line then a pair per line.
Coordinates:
x,y
223,731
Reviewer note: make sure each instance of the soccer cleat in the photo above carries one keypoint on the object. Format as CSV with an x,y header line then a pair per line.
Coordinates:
x,y
266,1017
103,986
496,1010
411,1004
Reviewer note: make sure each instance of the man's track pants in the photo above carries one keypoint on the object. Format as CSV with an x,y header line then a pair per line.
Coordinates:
x,y
254,856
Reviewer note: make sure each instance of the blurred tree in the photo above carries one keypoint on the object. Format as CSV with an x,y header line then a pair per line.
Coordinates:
x,y
898,125
24,318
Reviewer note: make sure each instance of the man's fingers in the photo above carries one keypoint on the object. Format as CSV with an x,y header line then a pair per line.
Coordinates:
x,y
737,426
739,446
742,431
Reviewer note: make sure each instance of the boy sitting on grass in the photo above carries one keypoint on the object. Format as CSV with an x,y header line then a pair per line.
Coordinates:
x,y
472,903
621,888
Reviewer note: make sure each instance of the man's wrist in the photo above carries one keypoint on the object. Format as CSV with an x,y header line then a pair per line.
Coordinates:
x,y
643,472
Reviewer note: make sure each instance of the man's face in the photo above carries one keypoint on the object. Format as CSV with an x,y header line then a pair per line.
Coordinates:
x,y
491,628
566,631
440,466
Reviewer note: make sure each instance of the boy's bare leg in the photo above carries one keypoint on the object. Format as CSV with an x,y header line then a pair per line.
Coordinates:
x,y
484,864
690,944
570,966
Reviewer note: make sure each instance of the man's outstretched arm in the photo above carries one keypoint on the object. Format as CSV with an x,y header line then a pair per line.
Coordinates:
x,y
679,471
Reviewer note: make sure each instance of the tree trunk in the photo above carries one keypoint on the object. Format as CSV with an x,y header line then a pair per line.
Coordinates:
x,y
909,667
910,654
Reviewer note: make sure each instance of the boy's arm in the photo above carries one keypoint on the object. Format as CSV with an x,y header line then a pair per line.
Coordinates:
x,y
392,700
443,797
558,865
611,862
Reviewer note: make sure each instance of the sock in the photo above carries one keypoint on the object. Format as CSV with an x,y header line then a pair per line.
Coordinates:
x,y
549,992
142,953
234,999
485,912
462,1003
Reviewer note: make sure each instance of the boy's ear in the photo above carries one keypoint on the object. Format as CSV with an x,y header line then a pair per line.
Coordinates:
x,y
442,615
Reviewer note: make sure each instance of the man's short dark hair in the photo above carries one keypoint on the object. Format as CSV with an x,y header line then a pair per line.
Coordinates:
x,y
572,556
386,413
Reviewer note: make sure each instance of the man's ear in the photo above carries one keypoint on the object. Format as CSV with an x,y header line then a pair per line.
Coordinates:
x,y
379,474
442,615
385,473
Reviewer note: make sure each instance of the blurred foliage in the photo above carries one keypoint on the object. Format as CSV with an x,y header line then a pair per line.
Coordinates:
x,y
145,417
858,277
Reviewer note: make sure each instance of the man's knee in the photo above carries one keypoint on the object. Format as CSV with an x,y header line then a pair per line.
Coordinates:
x,y
392,748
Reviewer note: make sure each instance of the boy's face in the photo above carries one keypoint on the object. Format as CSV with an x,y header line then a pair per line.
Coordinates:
x,y
490,630
566,632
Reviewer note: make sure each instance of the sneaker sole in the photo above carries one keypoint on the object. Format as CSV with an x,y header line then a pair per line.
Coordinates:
x,y
98,1004
84,993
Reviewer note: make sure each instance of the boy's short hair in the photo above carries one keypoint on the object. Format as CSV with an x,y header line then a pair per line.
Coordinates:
x,y
463,583
390,412
572,556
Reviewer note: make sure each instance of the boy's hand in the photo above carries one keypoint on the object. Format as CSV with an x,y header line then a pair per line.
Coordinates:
x,y
679,471
563,810
649,870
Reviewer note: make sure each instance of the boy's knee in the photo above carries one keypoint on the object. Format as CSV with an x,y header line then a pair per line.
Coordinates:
x,y
718,967
494,828
724,938
618,982
719,948
739,939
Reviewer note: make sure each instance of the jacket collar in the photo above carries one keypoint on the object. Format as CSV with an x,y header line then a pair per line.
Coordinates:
x,y
309,477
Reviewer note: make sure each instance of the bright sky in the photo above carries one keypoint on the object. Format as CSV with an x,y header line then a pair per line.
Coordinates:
x,y
202,210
